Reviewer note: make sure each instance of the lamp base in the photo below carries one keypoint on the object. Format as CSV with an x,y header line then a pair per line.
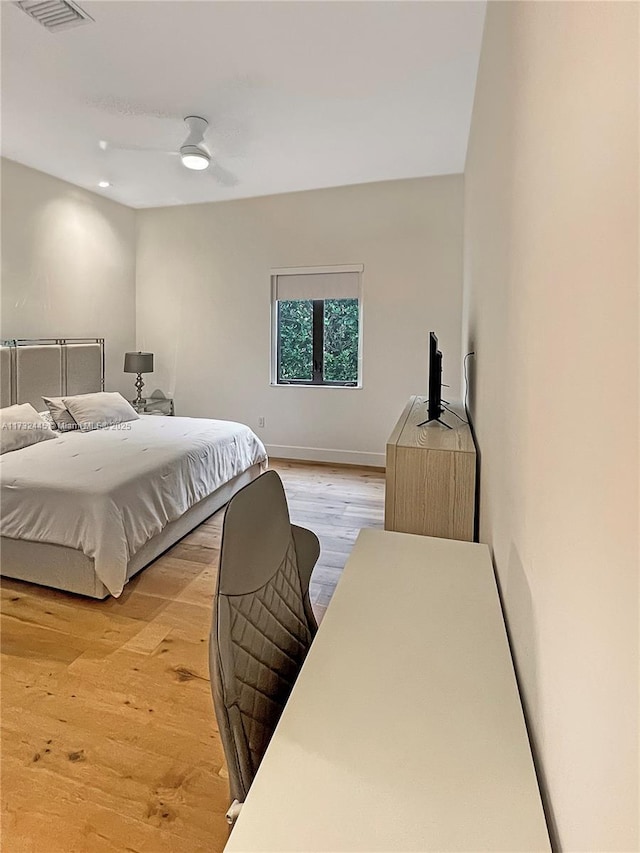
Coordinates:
x,y
140,401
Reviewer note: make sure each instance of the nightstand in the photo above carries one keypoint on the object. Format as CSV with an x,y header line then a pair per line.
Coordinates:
x,y
156,406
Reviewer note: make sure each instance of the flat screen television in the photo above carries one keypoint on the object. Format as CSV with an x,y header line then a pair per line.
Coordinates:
x,y
435,379
434,405
434,402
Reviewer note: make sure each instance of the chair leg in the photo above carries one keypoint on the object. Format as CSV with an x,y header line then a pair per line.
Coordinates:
x,y
234,811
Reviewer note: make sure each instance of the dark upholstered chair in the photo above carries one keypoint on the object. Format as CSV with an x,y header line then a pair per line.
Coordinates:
x,y
263,623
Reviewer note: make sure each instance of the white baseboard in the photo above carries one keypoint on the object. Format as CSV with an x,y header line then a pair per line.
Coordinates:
x,y
321,454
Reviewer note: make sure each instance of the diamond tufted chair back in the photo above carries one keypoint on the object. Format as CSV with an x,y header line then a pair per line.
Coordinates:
x,y
263,623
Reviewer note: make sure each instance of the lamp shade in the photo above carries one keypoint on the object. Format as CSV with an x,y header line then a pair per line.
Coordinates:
x,y
138,362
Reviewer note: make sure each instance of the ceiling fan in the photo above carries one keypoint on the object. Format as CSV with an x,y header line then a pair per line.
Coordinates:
x,y
193,152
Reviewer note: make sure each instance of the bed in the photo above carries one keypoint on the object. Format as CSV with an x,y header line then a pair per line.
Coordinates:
x,y
86,512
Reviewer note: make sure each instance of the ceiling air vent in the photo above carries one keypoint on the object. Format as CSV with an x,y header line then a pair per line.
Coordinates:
x,y
55,14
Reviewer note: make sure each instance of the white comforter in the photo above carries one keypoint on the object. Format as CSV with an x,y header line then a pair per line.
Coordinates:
x,y
108,491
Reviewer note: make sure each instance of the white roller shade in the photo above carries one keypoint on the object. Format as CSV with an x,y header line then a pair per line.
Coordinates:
x,y
325,285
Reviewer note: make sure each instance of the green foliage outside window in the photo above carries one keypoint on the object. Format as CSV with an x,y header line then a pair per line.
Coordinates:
x,y
341,340
339,347
295,328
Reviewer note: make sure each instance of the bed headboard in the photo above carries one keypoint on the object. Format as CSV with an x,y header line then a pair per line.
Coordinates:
x,y
55,367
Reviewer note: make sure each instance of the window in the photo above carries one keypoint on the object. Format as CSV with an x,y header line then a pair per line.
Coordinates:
x,y
316,326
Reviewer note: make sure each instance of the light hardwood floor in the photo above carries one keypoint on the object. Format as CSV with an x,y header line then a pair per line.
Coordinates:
x,y
109,740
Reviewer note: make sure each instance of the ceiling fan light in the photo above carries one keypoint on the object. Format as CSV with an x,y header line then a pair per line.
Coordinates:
x,y
195,161
194,158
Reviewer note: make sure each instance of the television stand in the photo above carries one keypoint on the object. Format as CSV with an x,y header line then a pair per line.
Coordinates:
x,y
431,476
431,420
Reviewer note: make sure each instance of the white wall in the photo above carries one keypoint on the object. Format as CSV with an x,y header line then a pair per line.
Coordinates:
x,y
551,309
68,265
203,306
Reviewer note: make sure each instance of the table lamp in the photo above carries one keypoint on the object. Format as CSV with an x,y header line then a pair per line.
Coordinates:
x,y
138,362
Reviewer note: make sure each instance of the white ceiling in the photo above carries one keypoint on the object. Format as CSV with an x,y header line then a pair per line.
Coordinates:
x,y
299,95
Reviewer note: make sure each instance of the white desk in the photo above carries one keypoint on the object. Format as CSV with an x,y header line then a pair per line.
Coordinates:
x,y
404,731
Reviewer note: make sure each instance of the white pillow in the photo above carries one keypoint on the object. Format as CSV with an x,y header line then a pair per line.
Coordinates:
x,y
96,411
60,414
48,419
21,426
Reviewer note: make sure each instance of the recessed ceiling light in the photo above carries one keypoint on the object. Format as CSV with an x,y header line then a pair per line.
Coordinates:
x,y
194,157
104,184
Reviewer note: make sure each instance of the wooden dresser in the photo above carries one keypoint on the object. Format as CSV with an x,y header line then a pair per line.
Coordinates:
x,y
431,475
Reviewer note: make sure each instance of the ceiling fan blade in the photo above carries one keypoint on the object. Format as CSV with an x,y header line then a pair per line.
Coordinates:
x,y
112,146
116,105
222,175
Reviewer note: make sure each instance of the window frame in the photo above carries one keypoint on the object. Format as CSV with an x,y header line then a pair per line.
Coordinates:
x,y
317,379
